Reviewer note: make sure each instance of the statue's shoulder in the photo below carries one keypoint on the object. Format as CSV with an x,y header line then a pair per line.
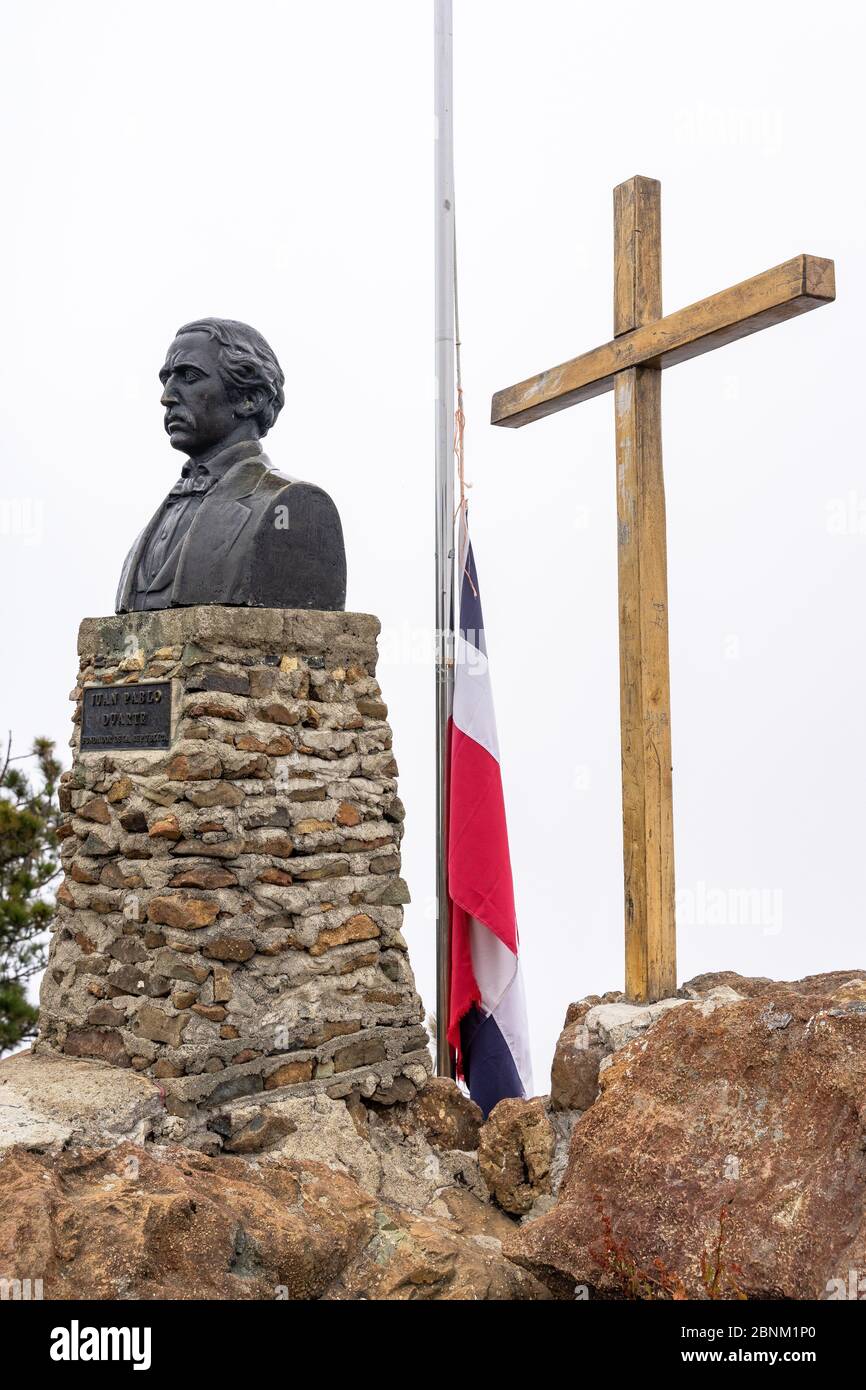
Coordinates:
x,y
274,481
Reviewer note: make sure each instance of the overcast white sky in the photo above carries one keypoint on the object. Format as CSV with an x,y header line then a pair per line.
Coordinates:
x,y
273,163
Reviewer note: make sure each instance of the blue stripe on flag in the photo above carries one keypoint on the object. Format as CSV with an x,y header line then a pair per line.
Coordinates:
x,y
471,618
488,1065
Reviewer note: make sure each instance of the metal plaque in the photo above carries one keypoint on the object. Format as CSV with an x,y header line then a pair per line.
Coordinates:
x,y
126,716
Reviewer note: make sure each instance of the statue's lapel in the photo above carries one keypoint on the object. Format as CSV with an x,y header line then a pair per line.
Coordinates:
x,y
210,558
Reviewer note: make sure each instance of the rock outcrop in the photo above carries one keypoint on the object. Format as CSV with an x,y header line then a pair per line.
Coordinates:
x,y
719,1150
746,1097
302,1196
169,1223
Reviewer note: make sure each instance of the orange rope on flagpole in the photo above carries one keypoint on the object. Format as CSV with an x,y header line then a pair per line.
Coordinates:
x,y
462,508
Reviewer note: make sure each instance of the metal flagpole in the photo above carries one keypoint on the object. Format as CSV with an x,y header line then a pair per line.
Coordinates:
x,y
444,455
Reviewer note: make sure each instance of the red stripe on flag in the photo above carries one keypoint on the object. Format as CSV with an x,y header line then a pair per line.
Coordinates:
x,y
479,866
464,986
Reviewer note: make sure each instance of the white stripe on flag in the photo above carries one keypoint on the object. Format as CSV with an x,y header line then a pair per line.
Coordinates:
x,y
473,697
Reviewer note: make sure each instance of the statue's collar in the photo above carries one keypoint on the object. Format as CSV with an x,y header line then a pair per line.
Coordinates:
x,y
219,465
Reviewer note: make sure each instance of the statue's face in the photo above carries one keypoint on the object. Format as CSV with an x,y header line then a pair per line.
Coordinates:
x,y
199,412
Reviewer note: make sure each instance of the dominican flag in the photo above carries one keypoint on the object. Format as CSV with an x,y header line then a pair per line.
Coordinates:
x,y
487,1023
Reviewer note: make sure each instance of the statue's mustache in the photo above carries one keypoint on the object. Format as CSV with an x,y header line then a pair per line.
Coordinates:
x,y
178,417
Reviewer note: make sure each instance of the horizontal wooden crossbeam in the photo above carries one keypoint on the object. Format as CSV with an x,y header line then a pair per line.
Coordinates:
x,y
801,284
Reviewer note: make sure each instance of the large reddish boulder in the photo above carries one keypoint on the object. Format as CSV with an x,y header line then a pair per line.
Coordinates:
x,y
754,1106
169,1223
130,1222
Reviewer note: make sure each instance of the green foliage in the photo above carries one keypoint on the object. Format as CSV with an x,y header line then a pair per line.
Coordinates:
x,y
29,814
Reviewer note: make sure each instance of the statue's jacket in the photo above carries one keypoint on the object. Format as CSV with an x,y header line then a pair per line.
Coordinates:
x,y
258,538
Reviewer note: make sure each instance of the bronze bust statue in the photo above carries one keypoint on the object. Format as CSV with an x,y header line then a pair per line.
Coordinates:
x,y
232,530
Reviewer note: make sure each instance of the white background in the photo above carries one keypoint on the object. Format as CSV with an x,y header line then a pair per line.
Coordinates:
x,y
273,163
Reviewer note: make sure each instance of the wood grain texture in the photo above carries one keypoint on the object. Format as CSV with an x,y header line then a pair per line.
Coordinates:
x,y
793,288
645,723
637,230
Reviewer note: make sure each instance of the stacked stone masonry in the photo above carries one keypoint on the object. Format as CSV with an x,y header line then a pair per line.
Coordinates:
x,y
230,918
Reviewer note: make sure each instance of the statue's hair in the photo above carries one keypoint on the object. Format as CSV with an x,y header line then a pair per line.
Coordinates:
x,y
246,361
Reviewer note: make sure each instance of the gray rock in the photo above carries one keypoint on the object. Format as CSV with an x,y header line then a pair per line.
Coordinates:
x,y
48,1101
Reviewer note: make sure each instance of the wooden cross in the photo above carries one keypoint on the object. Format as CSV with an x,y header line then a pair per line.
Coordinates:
x,y
630,365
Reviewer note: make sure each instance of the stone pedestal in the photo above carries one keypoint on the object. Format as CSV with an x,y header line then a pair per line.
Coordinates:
x,y
230,918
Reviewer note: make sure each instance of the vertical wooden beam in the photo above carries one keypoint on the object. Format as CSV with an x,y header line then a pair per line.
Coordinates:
x,y
637,254
647,796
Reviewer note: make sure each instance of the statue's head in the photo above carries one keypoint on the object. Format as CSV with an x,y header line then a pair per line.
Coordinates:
x,y
221,384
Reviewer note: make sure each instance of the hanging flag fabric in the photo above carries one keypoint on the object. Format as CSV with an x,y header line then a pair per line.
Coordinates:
x,y
487,1020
